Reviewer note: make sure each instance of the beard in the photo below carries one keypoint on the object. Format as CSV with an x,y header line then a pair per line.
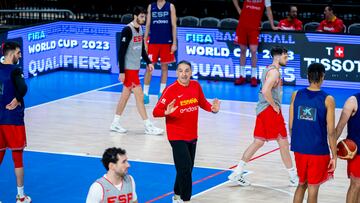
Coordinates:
x,y
282,64
140,22
15,61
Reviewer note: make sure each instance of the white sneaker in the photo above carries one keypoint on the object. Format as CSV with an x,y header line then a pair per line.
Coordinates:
x,y
117,128
176,200
151,129
294,181
25,199
238,178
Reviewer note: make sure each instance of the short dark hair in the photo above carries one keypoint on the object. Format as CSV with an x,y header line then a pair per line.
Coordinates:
x,y
184,62
278,50
110,156
291,7
138,10
330,7
9,46
315,72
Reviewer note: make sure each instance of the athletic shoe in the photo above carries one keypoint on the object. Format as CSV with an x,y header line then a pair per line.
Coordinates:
x,y
243,182
294,181
115,126
239,81
25,199
176,200
253,82
238,178
151,129
146,99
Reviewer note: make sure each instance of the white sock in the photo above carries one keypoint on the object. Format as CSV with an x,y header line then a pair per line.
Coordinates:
x,y
117,118
162,87
254,72
146,89
242,71
240,167
147,122
20,191
292,172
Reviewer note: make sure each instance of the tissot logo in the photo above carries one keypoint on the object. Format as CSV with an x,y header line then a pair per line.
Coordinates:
x,y
340,61
339,52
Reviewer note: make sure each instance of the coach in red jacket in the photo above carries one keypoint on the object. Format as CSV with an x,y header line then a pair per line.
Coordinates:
x,y
179,104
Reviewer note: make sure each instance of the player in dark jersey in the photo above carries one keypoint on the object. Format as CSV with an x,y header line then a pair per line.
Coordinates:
x,y
12,128
350,115
312,127
161,34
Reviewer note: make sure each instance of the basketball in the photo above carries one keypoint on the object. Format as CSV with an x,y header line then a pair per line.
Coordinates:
x,y
346,149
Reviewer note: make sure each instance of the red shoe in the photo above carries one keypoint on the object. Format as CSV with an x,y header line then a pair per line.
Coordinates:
x,y
239,81
253,82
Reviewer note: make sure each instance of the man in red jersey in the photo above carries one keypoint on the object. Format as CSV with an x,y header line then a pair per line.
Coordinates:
x,y
331,22
179,104
247,34
291,22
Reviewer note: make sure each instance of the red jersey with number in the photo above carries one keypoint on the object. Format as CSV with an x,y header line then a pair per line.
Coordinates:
x,y
294,24
182,124
251,13
335,25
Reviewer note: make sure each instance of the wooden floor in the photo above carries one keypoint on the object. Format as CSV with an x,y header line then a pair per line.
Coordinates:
x,y
80,124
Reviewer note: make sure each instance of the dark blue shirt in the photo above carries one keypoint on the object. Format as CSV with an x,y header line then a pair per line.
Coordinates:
x,y
309,130
160,25
353,125
10,88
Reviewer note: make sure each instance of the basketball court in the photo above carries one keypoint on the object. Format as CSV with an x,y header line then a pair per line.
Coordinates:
x,y
68,117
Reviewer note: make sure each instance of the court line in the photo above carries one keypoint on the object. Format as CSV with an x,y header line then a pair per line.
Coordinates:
x,y
135,160
68,97
256,185
222,170
82,93
195,182
276,189
208,190
211,176
169,193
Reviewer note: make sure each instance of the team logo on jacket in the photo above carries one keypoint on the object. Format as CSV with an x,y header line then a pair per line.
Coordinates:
x,y
306,113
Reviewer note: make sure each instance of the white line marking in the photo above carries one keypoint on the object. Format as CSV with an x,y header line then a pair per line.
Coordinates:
x,y
208,190
68,97
276,189
256,185
136,160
